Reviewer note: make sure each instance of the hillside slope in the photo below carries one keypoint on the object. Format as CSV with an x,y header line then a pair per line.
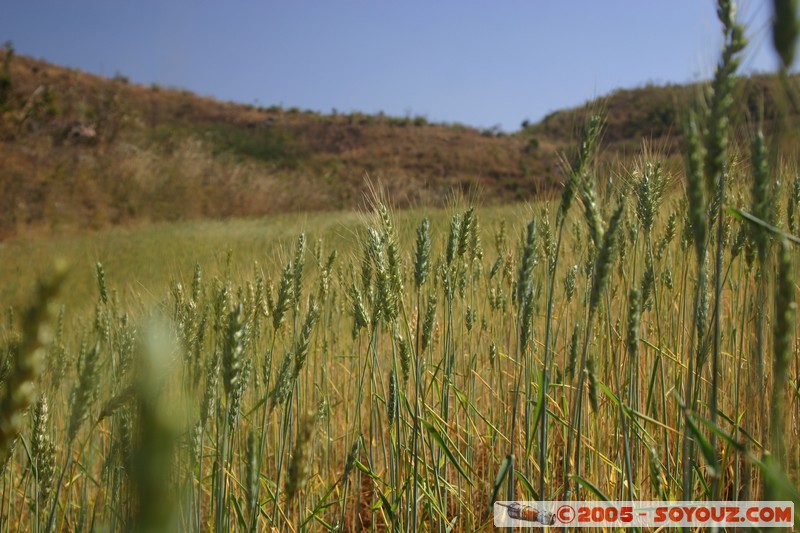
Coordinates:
x,y
81,151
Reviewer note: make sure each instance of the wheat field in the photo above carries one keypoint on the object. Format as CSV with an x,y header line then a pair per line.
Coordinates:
x,y
633,338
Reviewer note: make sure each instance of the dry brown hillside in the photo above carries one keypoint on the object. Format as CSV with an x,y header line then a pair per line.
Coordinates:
x,y
81,151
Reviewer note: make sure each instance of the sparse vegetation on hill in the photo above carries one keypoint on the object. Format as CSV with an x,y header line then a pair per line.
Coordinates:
x,y
105,151
81,151
658,113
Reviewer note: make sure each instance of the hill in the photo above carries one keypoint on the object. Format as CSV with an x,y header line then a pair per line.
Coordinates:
x,y
81,151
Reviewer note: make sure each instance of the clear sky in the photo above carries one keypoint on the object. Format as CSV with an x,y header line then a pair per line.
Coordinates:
x,y
478,62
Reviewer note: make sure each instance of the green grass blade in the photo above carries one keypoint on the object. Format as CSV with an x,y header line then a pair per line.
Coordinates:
x,y
434,433
532,494
502,472
588,485
747,217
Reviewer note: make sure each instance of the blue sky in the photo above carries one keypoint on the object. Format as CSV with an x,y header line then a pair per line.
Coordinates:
x,y
481,63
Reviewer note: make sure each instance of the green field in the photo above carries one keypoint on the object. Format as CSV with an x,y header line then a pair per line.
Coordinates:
x,y
143,262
